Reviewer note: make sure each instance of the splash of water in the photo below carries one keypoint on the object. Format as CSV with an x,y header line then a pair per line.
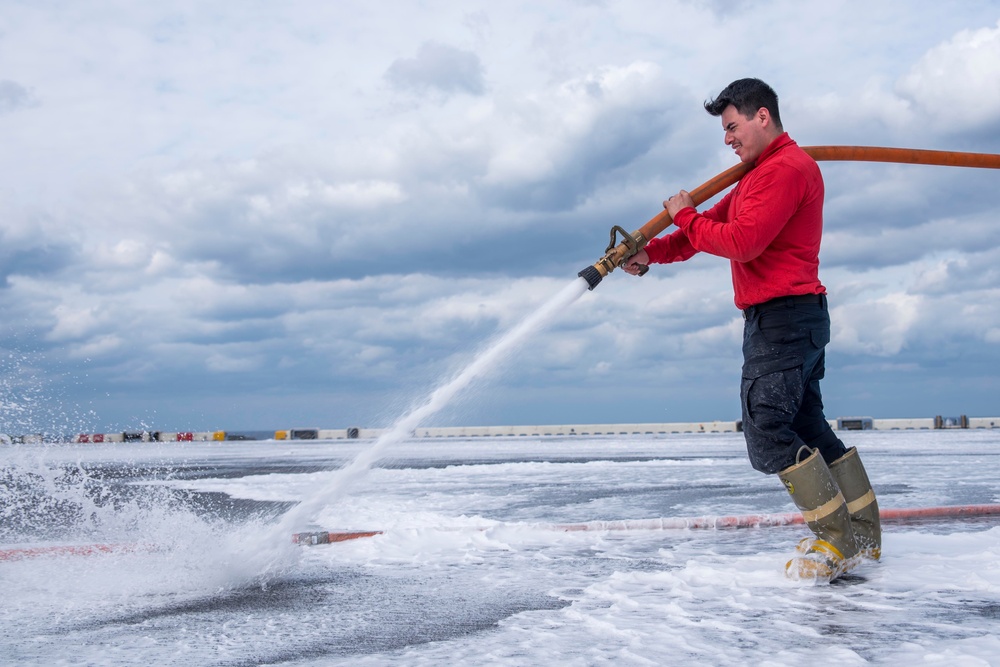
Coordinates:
x,y
488,359
212,554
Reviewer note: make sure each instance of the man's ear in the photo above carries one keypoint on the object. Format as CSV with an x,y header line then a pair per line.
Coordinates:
x,y
764,116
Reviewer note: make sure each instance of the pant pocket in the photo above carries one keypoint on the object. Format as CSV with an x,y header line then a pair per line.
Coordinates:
x,y
770,393
820,338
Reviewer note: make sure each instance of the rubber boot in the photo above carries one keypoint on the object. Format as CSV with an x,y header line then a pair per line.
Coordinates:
x,y
850,475
816,494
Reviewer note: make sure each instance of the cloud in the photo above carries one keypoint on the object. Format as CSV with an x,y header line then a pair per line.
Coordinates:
x,y
284,216
438,68
313,212
558,146
879,327
956,82
945,98
14,96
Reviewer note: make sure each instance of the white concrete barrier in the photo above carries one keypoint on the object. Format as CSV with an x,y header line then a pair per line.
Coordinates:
x,y
903,424
552,430
569,430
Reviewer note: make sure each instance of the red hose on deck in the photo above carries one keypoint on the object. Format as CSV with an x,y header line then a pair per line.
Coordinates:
x,y
768,520
71,550
705,522
676,523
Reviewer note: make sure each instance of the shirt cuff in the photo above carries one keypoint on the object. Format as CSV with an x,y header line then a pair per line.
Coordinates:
x,y
684,217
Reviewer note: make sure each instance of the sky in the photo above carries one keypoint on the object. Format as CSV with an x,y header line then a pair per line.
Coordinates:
x,y
252,215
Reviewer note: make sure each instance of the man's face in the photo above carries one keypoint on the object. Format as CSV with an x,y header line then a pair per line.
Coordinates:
x,y
747,136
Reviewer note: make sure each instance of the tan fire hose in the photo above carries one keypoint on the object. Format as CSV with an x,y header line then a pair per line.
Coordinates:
x,y
617,255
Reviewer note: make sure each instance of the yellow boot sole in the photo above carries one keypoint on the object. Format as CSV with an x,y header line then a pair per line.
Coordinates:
x,y
819,561
805,546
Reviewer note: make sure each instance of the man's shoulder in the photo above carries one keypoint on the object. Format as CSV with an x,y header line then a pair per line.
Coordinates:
x,y
790,170
791,159
789,149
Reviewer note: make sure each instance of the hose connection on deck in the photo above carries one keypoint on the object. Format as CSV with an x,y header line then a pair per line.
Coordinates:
x,y
326,537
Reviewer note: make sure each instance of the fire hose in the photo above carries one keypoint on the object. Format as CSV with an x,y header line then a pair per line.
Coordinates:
x,y
616,255
916,514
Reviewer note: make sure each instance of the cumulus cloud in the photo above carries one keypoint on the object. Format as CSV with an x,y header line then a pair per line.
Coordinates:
x,y
957,83
72,321
96,347
879,327
203,227
951,87
559,145
438,68
14,96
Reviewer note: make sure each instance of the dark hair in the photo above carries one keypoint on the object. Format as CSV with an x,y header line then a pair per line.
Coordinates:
x,y
747,95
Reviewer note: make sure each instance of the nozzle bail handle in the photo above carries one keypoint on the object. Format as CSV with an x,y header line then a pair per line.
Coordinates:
x,y
630,241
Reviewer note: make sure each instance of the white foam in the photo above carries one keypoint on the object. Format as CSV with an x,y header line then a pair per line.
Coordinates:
x,y
470,572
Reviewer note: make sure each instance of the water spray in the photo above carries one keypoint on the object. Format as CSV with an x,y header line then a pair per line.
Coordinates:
x,y
617,253
485,361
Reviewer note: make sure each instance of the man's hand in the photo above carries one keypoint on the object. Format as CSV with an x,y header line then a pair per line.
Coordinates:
x,y
680,200
633,263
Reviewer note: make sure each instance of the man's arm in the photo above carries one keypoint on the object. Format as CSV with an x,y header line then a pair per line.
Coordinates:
x,y
765,209
675,247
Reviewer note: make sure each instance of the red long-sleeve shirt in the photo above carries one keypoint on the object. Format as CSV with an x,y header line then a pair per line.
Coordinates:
x,y
769,226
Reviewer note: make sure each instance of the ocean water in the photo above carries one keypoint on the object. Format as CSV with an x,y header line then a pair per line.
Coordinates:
x,y
471,566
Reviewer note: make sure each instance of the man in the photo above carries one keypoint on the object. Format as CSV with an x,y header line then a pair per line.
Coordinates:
x,y
769,227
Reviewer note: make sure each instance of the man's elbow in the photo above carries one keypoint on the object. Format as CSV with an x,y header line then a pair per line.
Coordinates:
x,y
744,255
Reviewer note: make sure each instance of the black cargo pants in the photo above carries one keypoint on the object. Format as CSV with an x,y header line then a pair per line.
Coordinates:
x,y
784,342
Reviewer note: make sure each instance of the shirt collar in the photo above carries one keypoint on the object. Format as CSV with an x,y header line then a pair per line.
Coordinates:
x,y
779,142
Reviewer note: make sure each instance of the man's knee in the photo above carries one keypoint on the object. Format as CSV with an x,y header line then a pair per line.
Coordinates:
x,y
829,445
766,454
770,403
